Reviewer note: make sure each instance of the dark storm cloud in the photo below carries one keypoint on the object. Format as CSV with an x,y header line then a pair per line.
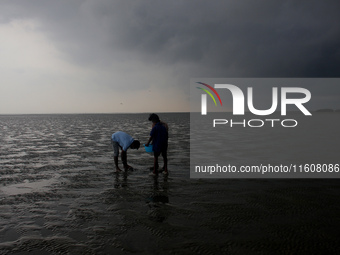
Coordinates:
x,y
230,38
205,38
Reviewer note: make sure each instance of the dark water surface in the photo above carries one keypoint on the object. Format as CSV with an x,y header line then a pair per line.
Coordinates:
x,y
59,195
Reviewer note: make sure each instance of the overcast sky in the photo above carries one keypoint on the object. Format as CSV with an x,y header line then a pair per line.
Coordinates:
x,y
106,56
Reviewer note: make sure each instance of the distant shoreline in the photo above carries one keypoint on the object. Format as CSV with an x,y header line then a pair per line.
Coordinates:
x,y
21,114
325,110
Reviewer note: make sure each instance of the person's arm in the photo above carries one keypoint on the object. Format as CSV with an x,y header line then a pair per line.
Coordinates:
x,y
165,125
151,136
149,141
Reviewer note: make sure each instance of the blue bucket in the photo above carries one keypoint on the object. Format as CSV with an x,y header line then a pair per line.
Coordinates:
x,y
148,148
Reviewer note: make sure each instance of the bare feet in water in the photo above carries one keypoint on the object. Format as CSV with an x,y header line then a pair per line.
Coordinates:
x,y
127,167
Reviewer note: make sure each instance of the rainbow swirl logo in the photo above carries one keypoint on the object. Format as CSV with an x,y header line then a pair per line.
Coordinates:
x,y
204,97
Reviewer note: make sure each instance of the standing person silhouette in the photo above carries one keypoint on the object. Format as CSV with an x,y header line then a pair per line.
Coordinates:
x,y
159,137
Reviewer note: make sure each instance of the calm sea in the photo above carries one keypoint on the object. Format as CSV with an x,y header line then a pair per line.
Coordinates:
x,y
59,195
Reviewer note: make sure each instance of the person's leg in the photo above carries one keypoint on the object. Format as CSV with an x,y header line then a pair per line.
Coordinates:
x,y
152,168
116,163
165,159
155,162
157,165
115,155
124,160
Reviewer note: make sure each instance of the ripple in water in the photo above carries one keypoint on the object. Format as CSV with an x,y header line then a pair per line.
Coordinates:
x,y
59,195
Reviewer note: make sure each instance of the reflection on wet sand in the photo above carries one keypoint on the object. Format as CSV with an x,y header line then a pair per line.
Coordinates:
x,y
157,199
68,200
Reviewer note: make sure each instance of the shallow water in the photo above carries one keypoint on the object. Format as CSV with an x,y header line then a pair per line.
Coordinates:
x,y
59,195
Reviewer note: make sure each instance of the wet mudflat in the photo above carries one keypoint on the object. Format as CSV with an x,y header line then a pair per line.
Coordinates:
x,y
59,195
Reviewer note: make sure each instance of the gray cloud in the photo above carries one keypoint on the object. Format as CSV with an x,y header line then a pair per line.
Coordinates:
x,y
192,38
243,38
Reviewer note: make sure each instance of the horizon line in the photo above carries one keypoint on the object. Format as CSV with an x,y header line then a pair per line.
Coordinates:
x,y
79,113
